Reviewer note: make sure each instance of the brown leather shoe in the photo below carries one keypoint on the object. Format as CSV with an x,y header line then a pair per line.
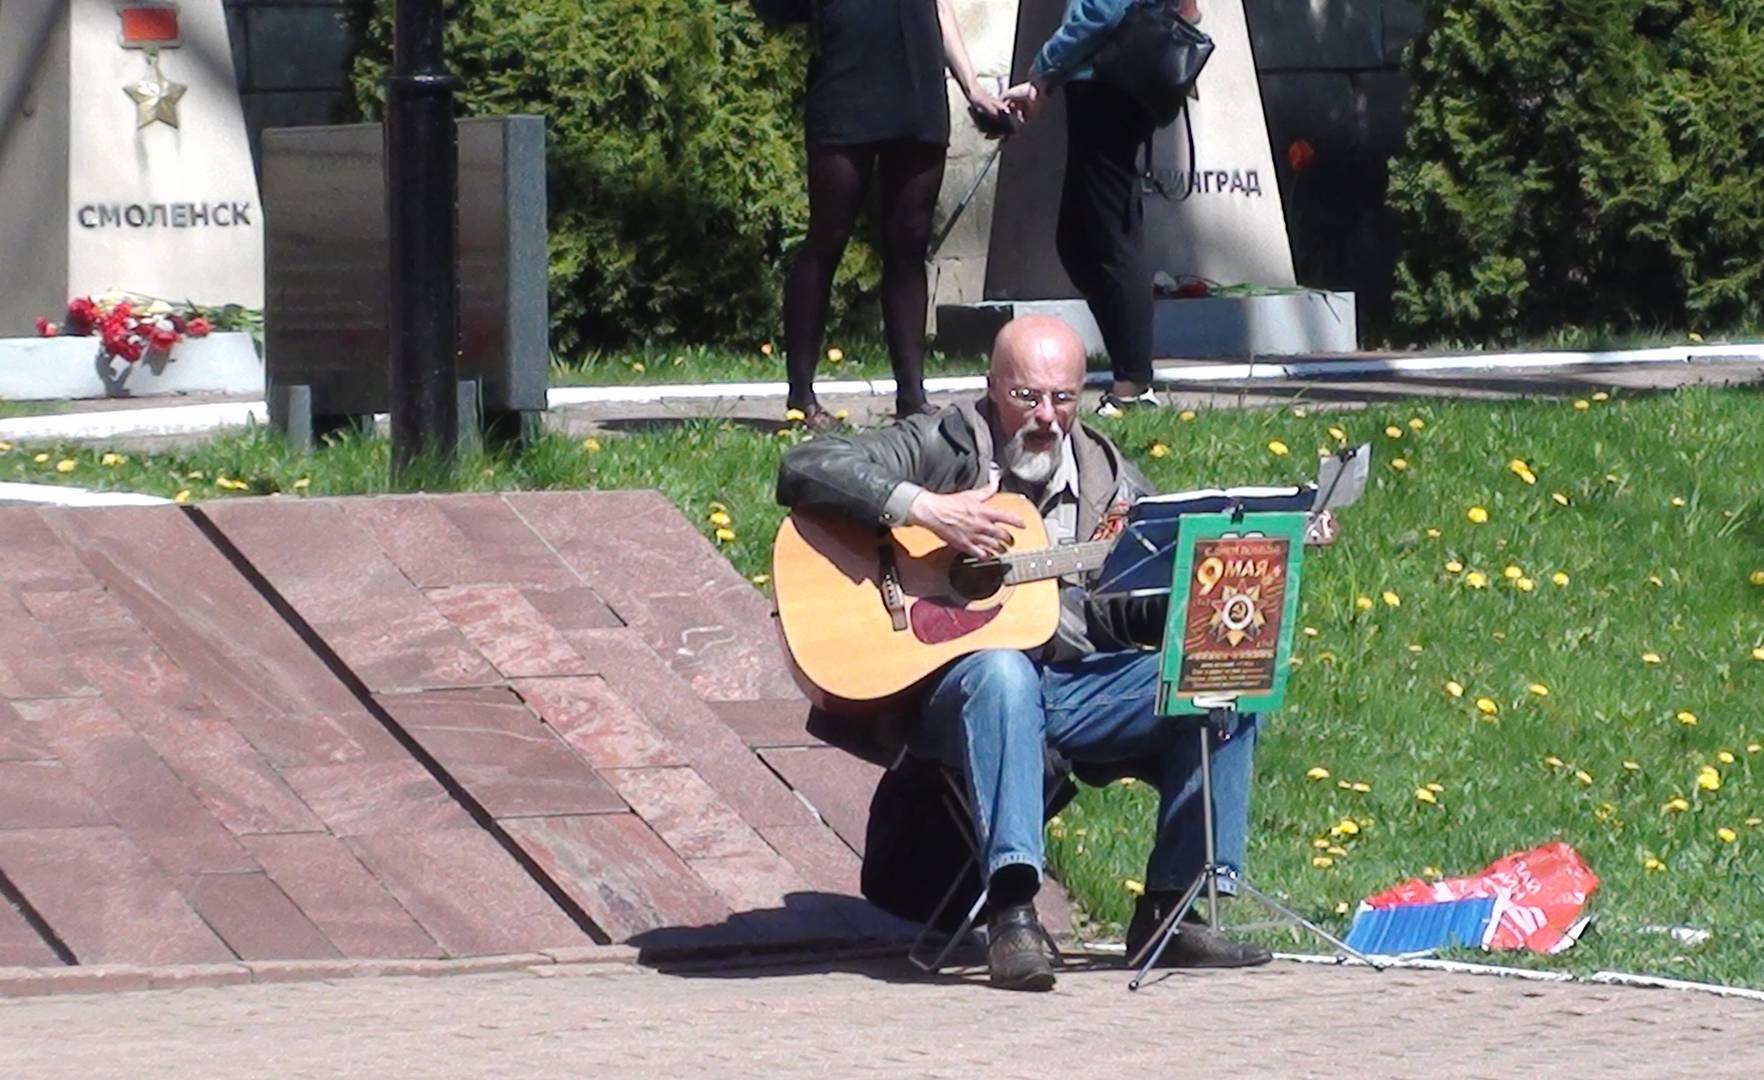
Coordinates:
x,y
1017,953
818,420
1194,945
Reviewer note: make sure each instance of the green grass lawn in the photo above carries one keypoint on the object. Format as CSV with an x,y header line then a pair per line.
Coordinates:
x,y
855,359
1640,538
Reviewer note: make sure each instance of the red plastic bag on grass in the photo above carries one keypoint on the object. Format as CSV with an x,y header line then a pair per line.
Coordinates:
x,y
1539,896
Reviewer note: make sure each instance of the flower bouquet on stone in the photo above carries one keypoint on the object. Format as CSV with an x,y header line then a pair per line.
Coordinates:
x,y
130,328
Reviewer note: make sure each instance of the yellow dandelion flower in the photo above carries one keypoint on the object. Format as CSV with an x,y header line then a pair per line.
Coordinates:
x,y
1687,718
1416,423
1512,573
1601,396
1300,412
1725,757
1344,785
760,579
1654,580
766,349
1487,707
1159,450
1581,404
111,460
1322,862
1336,849
1757,577
1137,888
1454,688
5,447
1632,766
1320,843
1709,778
1525,584
1433,534
1316,772
1539,689
1678,501
1754,822
1477,515
1454,567
40,458
1553,761
1559,579
842,414
1476,579
1726,835
1584,777
182,497
1278,448
1399,465
1185,415
1678,804
1560,498
1338,435
1435,788
638,366
1361,787
1341,907
1393,431
794,416
1652,865
1364,603
725,536
1348,827
1432,873
1518,466
1424,795
1753,748
1651,658
1391,599
836,354
1310,631
721,517
66,465
1758,652
1416,649
303,483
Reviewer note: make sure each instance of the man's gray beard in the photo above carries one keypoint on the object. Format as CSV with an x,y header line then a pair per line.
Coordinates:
x,y
1033,467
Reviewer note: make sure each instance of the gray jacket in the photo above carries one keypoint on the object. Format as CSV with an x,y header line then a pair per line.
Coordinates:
x,y
871,477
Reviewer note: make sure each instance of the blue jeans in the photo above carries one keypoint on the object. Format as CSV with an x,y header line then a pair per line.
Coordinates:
x,y
993,712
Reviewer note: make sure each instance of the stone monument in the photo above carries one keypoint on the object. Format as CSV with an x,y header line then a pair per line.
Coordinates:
x,y
124,165
1218,217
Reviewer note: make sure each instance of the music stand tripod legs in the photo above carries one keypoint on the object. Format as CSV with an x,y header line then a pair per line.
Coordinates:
x,y
1220,710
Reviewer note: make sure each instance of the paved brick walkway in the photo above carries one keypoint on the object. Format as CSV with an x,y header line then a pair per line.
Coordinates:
x,y
876,1018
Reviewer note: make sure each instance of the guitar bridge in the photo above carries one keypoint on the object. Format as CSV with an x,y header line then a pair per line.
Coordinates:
x,y
893,596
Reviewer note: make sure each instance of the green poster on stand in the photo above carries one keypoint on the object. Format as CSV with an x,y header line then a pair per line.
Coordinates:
x,y
1233,603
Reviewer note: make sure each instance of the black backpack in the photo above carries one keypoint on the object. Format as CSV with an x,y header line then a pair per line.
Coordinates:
x,y
1154,54
778,14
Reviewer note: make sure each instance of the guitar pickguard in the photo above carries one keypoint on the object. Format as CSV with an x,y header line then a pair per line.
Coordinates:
x,y
936,620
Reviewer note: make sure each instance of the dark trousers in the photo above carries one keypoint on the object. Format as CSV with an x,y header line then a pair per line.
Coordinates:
x,y
1101,232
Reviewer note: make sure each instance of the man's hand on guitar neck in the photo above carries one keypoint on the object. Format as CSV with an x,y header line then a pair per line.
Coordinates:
x,y
962,520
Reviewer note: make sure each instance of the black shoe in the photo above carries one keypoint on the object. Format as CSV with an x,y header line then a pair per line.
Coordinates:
x,y
1194,945
1017,954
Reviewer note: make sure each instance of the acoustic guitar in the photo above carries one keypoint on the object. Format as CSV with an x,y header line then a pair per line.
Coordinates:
x,y
867,614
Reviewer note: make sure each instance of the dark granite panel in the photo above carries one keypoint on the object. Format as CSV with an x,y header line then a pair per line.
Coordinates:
x,y
35,560
256,919
491,743
30,664
666,581
768,723
575,608
372,797
320,874
601,727
105,899
627,880
294,741
467,892
685,812
227,774
503,625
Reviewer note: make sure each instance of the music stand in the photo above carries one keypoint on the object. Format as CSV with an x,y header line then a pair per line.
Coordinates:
x,y
1234,587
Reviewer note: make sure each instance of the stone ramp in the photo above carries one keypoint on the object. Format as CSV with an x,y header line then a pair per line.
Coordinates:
x,y
408,726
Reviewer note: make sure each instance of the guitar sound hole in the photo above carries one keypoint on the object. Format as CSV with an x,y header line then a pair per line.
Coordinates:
x,y
973,579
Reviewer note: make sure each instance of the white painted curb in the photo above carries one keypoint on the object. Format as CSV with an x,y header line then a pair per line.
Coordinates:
x,y
57,495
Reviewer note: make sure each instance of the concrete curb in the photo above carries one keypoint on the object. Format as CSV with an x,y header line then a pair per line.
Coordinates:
x,y
19,982
1598,978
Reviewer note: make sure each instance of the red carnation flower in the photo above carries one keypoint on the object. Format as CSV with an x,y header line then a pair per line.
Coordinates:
x,y
82,313
45,328
1300,154
198,327
163,337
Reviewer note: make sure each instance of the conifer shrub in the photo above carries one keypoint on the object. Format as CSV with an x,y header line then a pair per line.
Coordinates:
x,y
1582,163
674,155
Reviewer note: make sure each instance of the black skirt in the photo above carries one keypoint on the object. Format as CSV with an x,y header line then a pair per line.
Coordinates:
x,y
876,74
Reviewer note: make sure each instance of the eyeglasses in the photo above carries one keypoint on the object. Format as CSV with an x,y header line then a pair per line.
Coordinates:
x,y
1028,400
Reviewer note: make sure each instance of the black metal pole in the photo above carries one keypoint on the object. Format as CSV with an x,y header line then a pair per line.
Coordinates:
x,y
422,186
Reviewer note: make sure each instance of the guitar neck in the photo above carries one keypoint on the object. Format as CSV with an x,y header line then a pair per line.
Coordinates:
x,y
1054,562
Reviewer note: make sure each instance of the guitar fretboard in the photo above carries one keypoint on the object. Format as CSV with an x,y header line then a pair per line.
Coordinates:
x,y
1054,562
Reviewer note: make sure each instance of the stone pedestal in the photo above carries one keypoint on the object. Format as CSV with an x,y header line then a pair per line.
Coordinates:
x,y
124,165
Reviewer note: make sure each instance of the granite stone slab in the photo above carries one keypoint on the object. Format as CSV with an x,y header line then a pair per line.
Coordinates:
x,y
256,919
20,946
227,774
503,625
597,723
501,753
105,899
667,582
327,882
353,735
20,741
686,813
207,616
835,783
627,880
768,723
340,582
668,704
358,798
44,795
36,561
458,540
574,608
31,666
830,867
138,790
87,615
773,901
467,892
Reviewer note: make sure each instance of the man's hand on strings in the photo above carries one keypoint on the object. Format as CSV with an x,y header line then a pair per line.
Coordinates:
x,y
962,520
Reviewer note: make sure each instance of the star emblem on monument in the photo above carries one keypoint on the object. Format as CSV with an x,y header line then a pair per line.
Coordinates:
x,y
156,97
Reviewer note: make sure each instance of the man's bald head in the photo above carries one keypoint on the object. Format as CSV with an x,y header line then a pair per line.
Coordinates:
x,y
1037,372
1042,342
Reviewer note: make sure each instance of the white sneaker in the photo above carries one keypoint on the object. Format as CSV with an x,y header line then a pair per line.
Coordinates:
x,y
1113,405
